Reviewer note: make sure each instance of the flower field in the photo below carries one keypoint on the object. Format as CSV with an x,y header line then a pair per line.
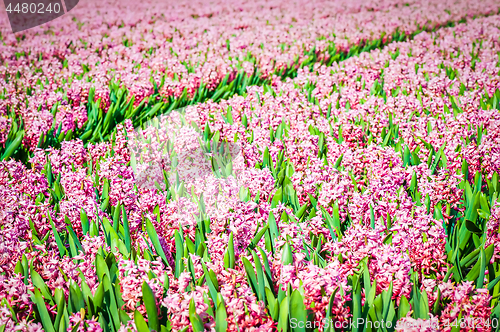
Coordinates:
x,y
253,166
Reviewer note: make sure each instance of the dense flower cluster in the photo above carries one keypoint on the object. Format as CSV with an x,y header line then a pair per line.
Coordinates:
x,y
167,49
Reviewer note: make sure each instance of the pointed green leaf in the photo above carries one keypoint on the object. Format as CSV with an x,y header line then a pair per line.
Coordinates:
x,y
151,308
195,319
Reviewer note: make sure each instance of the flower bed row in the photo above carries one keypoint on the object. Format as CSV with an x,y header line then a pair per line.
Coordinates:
x,y
367,189
60,81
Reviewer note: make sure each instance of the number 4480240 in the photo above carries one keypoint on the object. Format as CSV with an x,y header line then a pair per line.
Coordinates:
x,y
473,323
38,8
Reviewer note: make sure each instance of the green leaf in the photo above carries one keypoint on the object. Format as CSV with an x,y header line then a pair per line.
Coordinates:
x,y
437,303
273,226
75,245
258,236
482,269
244,194
126,230
372,217
229,257
493,283
423,305
75,328
60,246
252,280
179,254
267,269
9,150
211,280
151,308
298,311
85,222
101,267
277,198
194,318
329,310
75,298
140,323
40,284
260,278
42,310
64,323
483,214
220,316
437,158
287,255
99,297
229,115
301,211
124,318
104,204
406,156
330,223
110,302
472,206
339,161
60,301
153,236
413,183
472,227
283,316
272,304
